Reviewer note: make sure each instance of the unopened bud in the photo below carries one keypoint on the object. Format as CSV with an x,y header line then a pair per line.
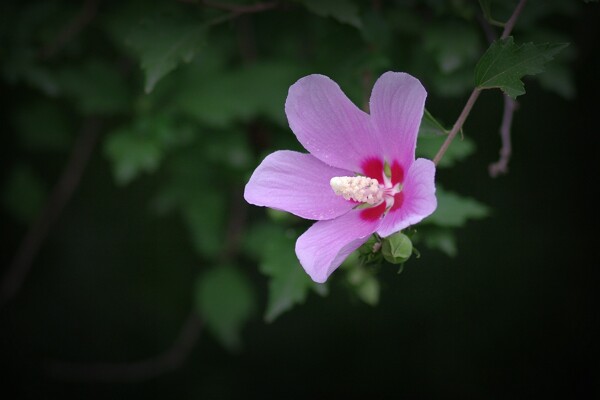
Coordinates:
x,y
397,248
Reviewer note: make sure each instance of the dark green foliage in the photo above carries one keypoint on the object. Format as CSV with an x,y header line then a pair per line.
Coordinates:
x,y
427,146
191,98
454,210
226,300
163,39
344,11
505,63
289,285
23,193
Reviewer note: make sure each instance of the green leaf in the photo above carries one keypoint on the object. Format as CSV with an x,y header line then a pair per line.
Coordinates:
x,y
43,125
221,97
376,30
559,79
361,280
428,146
558,76
369,291
205,218
289,284
23,194
486,8
132,154
26,27
225,299
344,11
231,148
141,147
449,52
452,46
431,126
505,63
95,88
442,239
163,41
454,210
21,66
203,212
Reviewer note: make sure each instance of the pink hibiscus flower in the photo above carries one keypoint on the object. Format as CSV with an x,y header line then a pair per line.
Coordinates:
x,y
361,175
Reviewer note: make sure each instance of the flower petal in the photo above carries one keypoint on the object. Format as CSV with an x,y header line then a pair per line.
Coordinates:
x,y
397,104
297,183
325,245
418,199
328,124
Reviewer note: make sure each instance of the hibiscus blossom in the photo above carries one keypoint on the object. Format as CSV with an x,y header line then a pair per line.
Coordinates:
x,y
361,176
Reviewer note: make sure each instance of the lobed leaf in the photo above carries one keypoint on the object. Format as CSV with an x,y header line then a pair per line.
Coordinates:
x,y
95,88
454,210
453,47
163,41
361,279
428,146
289,284
225,299
431,126
141,147
220,97
442,239
344,11
505,63
204,215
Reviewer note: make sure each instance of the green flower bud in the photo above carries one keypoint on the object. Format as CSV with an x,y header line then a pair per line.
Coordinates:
x,y
397,248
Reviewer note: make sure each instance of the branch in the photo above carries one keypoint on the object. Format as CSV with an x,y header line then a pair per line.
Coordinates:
x,y
61,194
151,367
490,35
235,226
246,40
510,105
234,10
80,21
457,125
501,166
473,97
510,24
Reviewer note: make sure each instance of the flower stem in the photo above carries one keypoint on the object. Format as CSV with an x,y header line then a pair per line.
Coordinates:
x,y
510,24
457,125
137,371
82,151
501,166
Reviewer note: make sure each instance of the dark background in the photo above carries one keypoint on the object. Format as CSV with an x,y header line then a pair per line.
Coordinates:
x,y
514,315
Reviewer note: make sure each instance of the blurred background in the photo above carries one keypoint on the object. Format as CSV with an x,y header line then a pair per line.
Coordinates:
x,y
132,267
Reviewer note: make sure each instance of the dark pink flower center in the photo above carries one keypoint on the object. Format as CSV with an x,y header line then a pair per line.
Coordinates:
x,y
392,184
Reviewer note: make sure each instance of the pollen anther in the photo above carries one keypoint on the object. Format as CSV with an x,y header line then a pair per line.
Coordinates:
x,y
358,188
